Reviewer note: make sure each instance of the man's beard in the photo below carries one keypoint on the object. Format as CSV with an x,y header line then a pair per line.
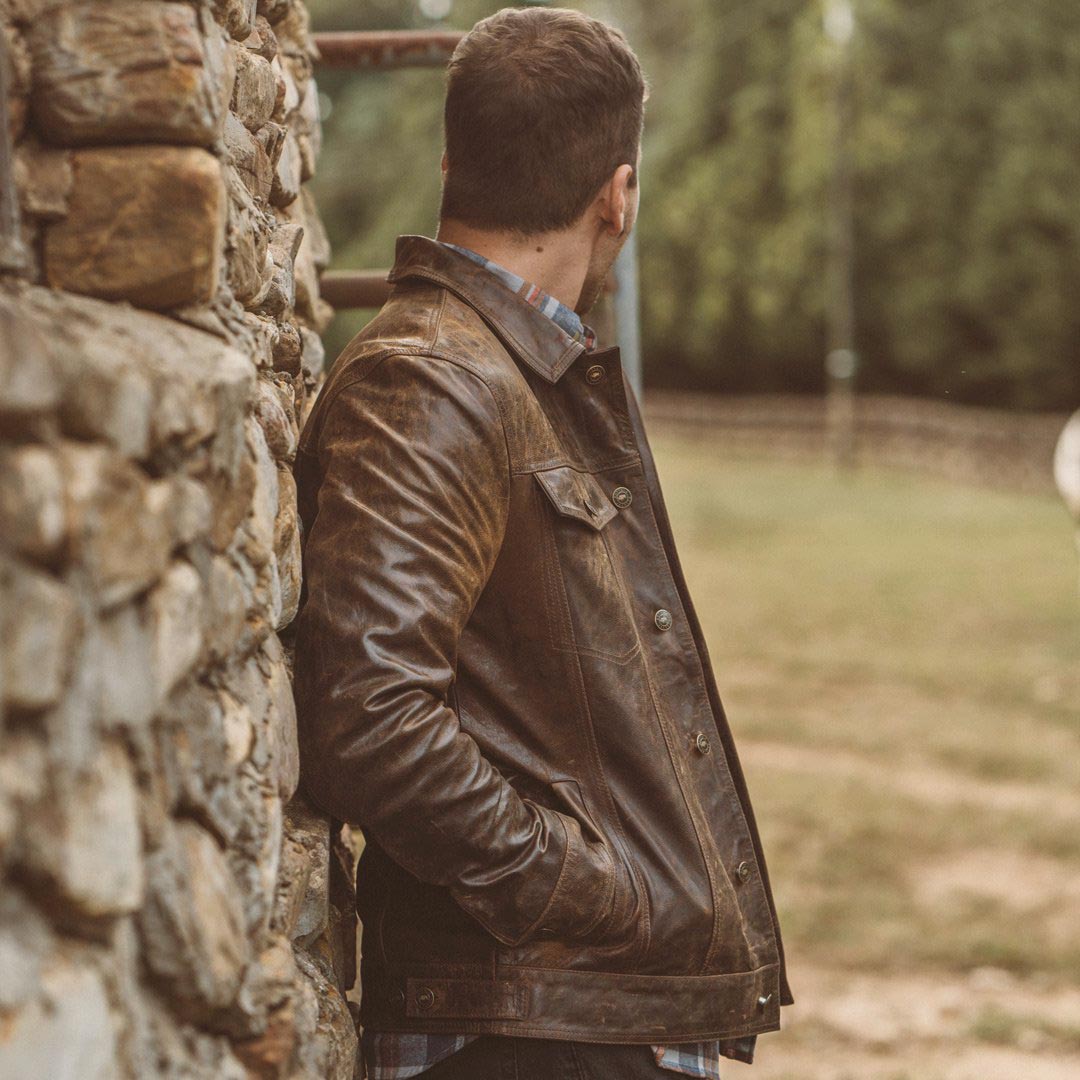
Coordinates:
x,y
592,287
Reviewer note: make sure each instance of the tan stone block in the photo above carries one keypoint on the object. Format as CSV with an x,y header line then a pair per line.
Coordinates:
x,y
287,549
192,924
145,224
44,177
121,545
287,172
128,71
263,40
314,358
249,158
276,414
67,1032
39,630
29,386
255,91
174,610
32,501
83,843
248,238
237,16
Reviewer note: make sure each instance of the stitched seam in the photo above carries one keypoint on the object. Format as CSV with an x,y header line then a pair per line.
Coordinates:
x,y
558,880
457,362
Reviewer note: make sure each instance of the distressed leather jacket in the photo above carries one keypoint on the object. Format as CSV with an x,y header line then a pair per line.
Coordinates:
x,y
500,677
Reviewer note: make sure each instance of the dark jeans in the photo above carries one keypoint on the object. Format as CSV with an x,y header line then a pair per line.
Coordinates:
x,y
506,1057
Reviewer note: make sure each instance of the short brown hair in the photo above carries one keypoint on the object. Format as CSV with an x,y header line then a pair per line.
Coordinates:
x,y
542,106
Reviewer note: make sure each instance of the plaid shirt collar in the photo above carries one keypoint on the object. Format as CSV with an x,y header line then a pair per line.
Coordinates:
x,y
565,318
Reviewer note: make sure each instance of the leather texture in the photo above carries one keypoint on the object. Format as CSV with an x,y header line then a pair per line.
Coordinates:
x,y
483,686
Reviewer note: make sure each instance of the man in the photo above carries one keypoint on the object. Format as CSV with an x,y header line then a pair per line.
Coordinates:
x,y
499,674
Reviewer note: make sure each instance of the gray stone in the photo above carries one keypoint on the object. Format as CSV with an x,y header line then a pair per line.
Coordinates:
x,y
174,622
288,93
32,517
314,354
25,941
192,924
28,382
82,846
256,853
23,768
247,240
128,71
258,528
317,240
308,832
186,507
110,362
225,609
72,728
249,158
328,1040
287,551
39,630
237,16
276,415
128,691
66,1035
122,547
263,40
280,717
287,172
287,348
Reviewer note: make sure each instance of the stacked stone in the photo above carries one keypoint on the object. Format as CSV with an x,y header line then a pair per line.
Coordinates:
x,y
168,908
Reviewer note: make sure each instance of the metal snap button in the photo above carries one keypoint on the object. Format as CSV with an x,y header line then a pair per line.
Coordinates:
x,y
701,743
764,1000
622,497
663,619
594,373
744,870
425,998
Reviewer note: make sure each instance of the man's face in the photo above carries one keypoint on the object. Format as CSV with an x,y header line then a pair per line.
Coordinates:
x,y
606,251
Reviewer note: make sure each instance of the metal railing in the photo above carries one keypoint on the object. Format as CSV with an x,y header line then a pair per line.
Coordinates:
x,y
386,50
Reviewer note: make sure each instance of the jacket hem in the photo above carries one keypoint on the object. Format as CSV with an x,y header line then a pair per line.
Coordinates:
x,y
580,1006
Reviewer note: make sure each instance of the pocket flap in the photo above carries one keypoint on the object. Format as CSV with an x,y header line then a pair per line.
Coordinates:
x,y
577,495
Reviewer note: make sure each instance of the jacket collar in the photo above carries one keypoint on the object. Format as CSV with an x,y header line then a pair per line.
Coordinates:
x,y
527,331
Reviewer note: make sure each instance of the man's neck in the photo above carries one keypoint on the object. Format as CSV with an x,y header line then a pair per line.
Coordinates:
x,y
555,262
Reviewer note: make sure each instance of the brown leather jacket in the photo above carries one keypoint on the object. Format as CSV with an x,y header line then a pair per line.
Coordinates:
x,y
499,675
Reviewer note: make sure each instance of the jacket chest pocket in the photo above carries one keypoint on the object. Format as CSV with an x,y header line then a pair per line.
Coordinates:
x,y
590,611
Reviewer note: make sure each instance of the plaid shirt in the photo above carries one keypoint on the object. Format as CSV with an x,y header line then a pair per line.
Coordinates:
x,y
398,1055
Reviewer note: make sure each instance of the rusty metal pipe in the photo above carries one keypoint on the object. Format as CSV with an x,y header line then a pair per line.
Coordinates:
x,y
385,50
347,289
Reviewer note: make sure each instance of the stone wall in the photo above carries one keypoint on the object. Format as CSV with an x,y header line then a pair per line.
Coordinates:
x,y
167,908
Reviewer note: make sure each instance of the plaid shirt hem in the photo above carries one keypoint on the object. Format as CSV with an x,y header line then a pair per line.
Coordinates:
x,y
400,1055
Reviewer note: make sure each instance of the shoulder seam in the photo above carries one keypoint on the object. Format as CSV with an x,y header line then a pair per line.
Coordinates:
x,y
432,354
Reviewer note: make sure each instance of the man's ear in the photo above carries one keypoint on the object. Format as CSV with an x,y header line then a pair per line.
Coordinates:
x,y
613,201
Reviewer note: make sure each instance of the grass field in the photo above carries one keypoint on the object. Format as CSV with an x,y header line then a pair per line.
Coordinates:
x,y
900,661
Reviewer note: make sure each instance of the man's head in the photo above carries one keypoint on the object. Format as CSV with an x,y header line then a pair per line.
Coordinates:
x,y
543,119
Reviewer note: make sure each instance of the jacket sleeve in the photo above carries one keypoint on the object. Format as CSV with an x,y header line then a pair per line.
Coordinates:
x,y
409,519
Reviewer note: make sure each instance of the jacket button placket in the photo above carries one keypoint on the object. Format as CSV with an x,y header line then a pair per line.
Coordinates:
x,y
682,681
